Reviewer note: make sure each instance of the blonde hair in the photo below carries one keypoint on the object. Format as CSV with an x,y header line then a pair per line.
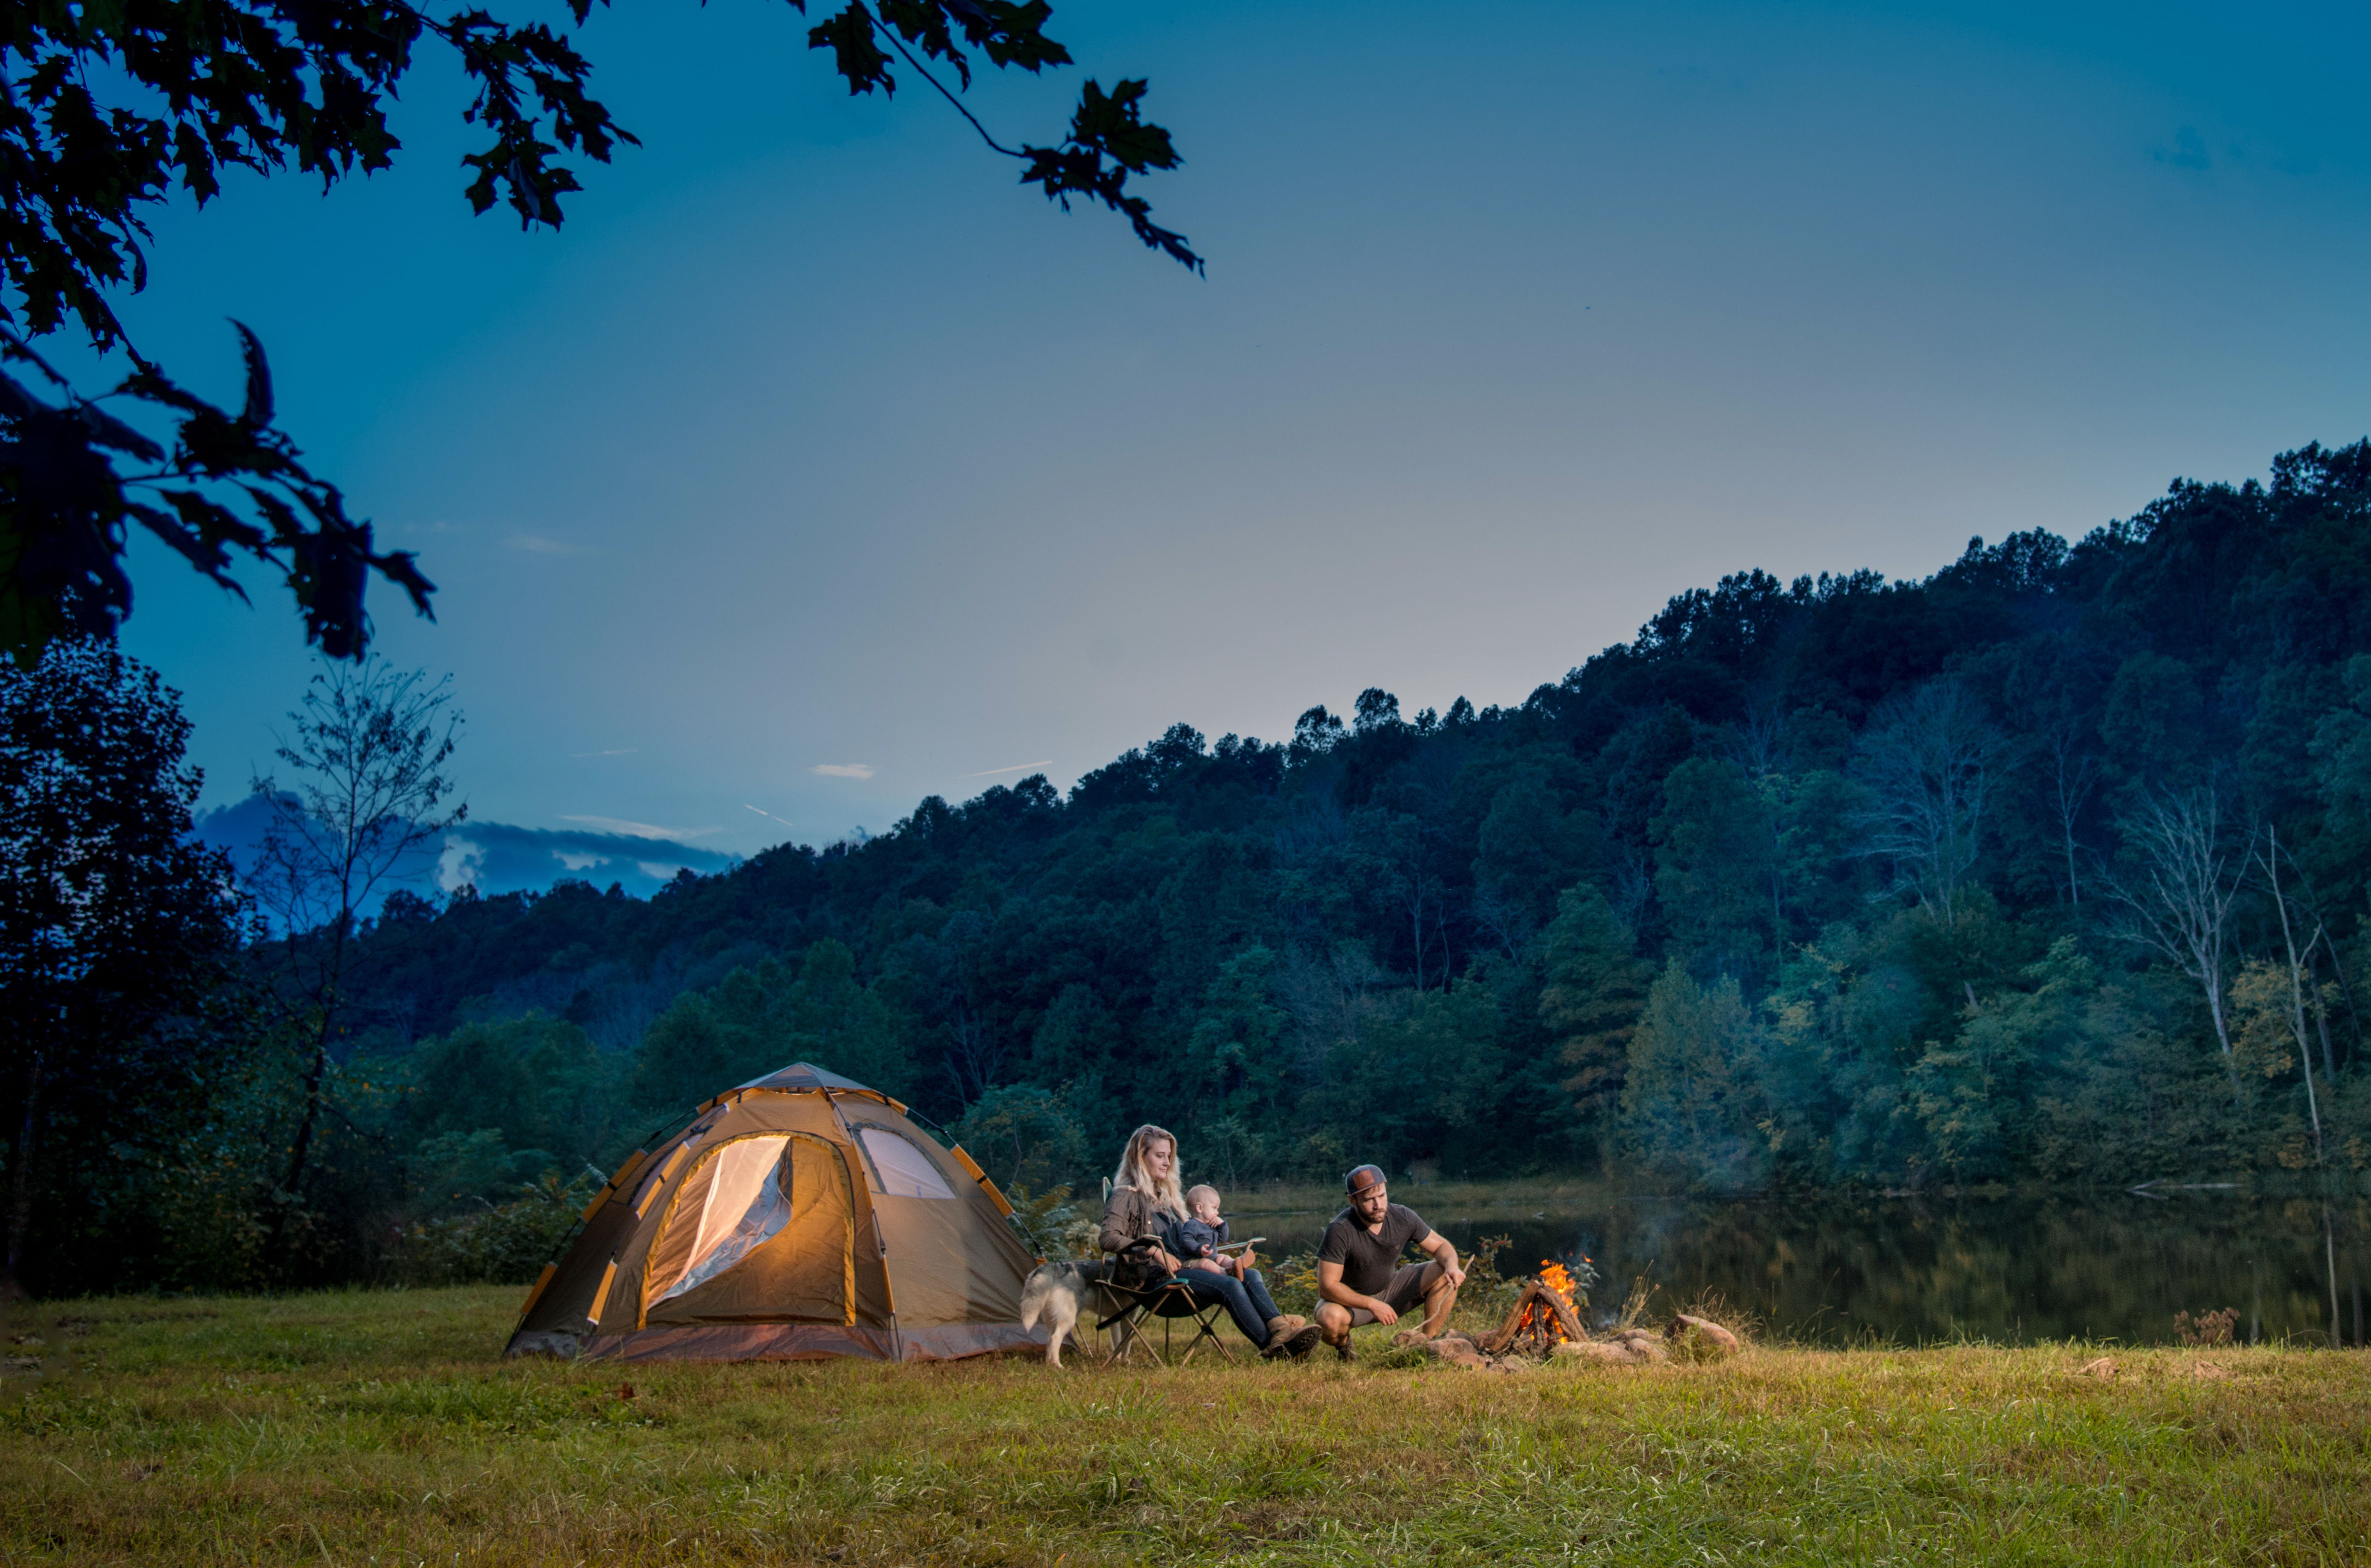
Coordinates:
x,y
1167,1198
1195,1194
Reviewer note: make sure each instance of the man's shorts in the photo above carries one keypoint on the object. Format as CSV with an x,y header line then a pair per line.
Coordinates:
x,y
1402,1296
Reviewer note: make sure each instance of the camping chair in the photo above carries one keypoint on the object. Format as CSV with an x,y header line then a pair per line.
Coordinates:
x,y
1129,1306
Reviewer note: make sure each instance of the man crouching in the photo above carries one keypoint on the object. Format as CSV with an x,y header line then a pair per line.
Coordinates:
x,y
1360,1279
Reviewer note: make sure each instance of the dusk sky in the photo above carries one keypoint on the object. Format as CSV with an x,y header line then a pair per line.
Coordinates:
x,y
815,466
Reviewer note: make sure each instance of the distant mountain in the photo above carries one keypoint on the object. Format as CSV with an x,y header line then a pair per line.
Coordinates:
x,y
496,858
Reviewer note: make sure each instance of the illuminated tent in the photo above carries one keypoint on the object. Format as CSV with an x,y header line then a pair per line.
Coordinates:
x,y
799,1216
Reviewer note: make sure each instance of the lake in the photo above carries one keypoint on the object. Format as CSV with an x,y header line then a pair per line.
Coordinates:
x,y
1923,1270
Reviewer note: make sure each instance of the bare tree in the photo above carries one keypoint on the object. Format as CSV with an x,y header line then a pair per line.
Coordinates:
x,y
1758,744
1634,884
1504,919
975,1052
2185,876
1328,997
2269,858
1928,764
1397,850
367,750
2075,774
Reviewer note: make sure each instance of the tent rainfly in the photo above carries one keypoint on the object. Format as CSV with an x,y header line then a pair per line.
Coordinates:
x,y
798,1216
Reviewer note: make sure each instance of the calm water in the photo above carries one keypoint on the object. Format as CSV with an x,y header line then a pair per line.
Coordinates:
x,y
1916,1271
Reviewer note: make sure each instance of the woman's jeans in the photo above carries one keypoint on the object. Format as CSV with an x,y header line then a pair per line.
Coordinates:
x,y
1247,1298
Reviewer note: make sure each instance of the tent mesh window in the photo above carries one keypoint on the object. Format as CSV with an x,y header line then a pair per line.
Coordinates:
x,y
899,1170
742,1204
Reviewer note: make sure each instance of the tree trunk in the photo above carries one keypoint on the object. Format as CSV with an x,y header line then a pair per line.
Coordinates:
x,y
20,1194
2296,989
301,1148
2321,1018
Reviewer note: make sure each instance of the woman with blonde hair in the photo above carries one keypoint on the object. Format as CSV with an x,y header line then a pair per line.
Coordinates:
x,y
1147,1205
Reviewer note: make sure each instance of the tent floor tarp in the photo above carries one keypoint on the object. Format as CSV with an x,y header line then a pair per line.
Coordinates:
x,y
786,1342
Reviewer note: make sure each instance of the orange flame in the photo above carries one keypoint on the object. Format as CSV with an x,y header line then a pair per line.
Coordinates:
x,y
1537,1315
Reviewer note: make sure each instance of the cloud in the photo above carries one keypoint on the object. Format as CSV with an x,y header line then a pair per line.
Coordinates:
x,y
494,858
640,829
1016,767
843,769
767,814
460,864
536,544
621,751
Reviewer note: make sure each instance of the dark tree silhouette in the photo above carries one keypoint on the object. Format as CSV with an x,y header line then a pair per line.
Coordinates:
x,y
104,108
113,921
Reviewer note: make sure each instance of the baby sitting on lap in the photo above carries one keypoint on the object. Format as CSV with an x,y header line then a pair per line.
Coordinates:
x,y
1201,1235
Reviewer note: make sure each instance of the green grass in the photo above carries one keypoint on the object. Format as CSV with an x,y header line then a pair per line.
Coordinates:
x,y
381,1427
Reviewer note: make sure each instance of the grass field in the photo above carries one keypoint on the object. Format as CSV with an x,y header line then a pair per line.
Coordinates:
x,y
381,1428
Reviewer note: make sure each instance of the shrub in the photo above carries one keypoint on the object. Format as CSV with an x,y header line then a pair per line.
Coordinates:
x,y
499,1244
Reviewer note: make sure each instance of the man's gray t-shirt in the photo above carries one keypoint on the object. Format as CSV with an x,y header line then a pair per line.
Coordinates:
x,y
1369,1259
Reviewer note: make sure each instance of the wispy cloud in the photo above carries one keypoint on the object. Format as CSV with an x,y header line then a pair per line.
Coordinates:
x,y
1016,767
620,751
767,814
642,829
843,769
536,544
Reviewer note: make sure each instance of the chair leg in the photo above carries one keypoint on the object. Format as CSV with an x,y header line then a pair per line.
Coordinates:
x,y
1128,1334
1205,1328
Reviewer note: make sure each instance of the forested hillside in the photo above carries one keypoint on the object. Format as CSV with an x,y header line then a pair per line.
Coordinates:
x,y
2050,867
1835,880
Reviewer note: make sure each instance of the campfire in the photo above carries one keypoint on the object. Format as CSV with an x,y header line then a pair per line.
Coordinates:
x,y
1543,1316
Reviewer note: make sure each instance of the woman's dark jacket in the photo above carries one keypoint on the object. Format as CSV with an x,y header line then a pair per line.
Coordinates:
x,y
1132,1229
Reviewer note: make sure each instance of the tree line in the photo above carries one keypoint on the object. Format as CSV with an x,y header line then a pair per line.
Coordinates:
x,y
2048,866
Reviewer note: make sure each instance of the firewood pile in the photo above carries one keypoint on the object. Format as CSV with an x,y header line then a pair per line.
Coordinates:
x,y
1543,1325
1541,1319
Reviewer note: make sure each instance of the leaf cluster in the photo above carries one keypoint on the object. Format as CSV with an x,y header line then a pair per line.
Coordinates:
x,y
108,107
74,478
1109,139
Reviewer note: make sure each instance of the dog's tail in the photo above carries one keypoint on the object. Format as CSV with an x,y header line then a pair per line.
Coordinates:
x,y
1033,1295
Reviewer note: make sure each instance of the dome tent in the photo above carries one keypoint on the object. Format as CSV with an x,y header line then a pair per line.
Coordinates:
x,y
797,1216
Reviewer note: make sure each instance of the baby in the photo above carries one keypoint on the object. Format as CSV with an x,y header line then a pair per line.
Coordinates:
x,y
1201,1235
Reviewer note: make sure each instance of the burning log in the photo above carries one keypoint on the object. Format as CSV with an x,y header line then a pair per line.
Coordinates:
x,y
1542,1318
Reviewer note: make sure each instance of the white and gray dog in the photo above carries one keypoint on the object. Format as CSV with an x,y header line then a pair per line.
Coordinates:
x,y
1059,1293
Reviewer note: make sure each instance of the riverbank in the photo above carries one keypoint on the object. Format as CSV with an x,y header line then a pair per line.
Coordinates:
x,y
1866,1270
349,1428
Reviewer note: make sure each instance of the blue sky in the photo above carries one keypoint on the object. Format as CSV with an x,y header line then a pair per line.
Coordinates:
x,y
814,443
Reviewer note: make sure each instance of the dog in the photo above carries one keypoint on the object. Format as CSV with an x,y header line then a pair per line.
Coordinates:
x,y
1057,1293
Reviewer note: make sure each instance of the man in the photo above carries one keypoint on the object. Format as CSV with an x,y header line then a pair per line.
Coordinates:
x,y
1359,1278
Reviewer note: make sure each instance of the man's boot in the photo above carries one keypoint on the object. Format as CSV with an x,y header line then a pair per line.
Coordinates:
x,y
1289,1336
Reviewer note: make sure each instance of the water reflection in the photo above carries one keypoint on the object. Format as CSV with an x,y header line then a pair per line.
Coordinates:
x,y
1919,1271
